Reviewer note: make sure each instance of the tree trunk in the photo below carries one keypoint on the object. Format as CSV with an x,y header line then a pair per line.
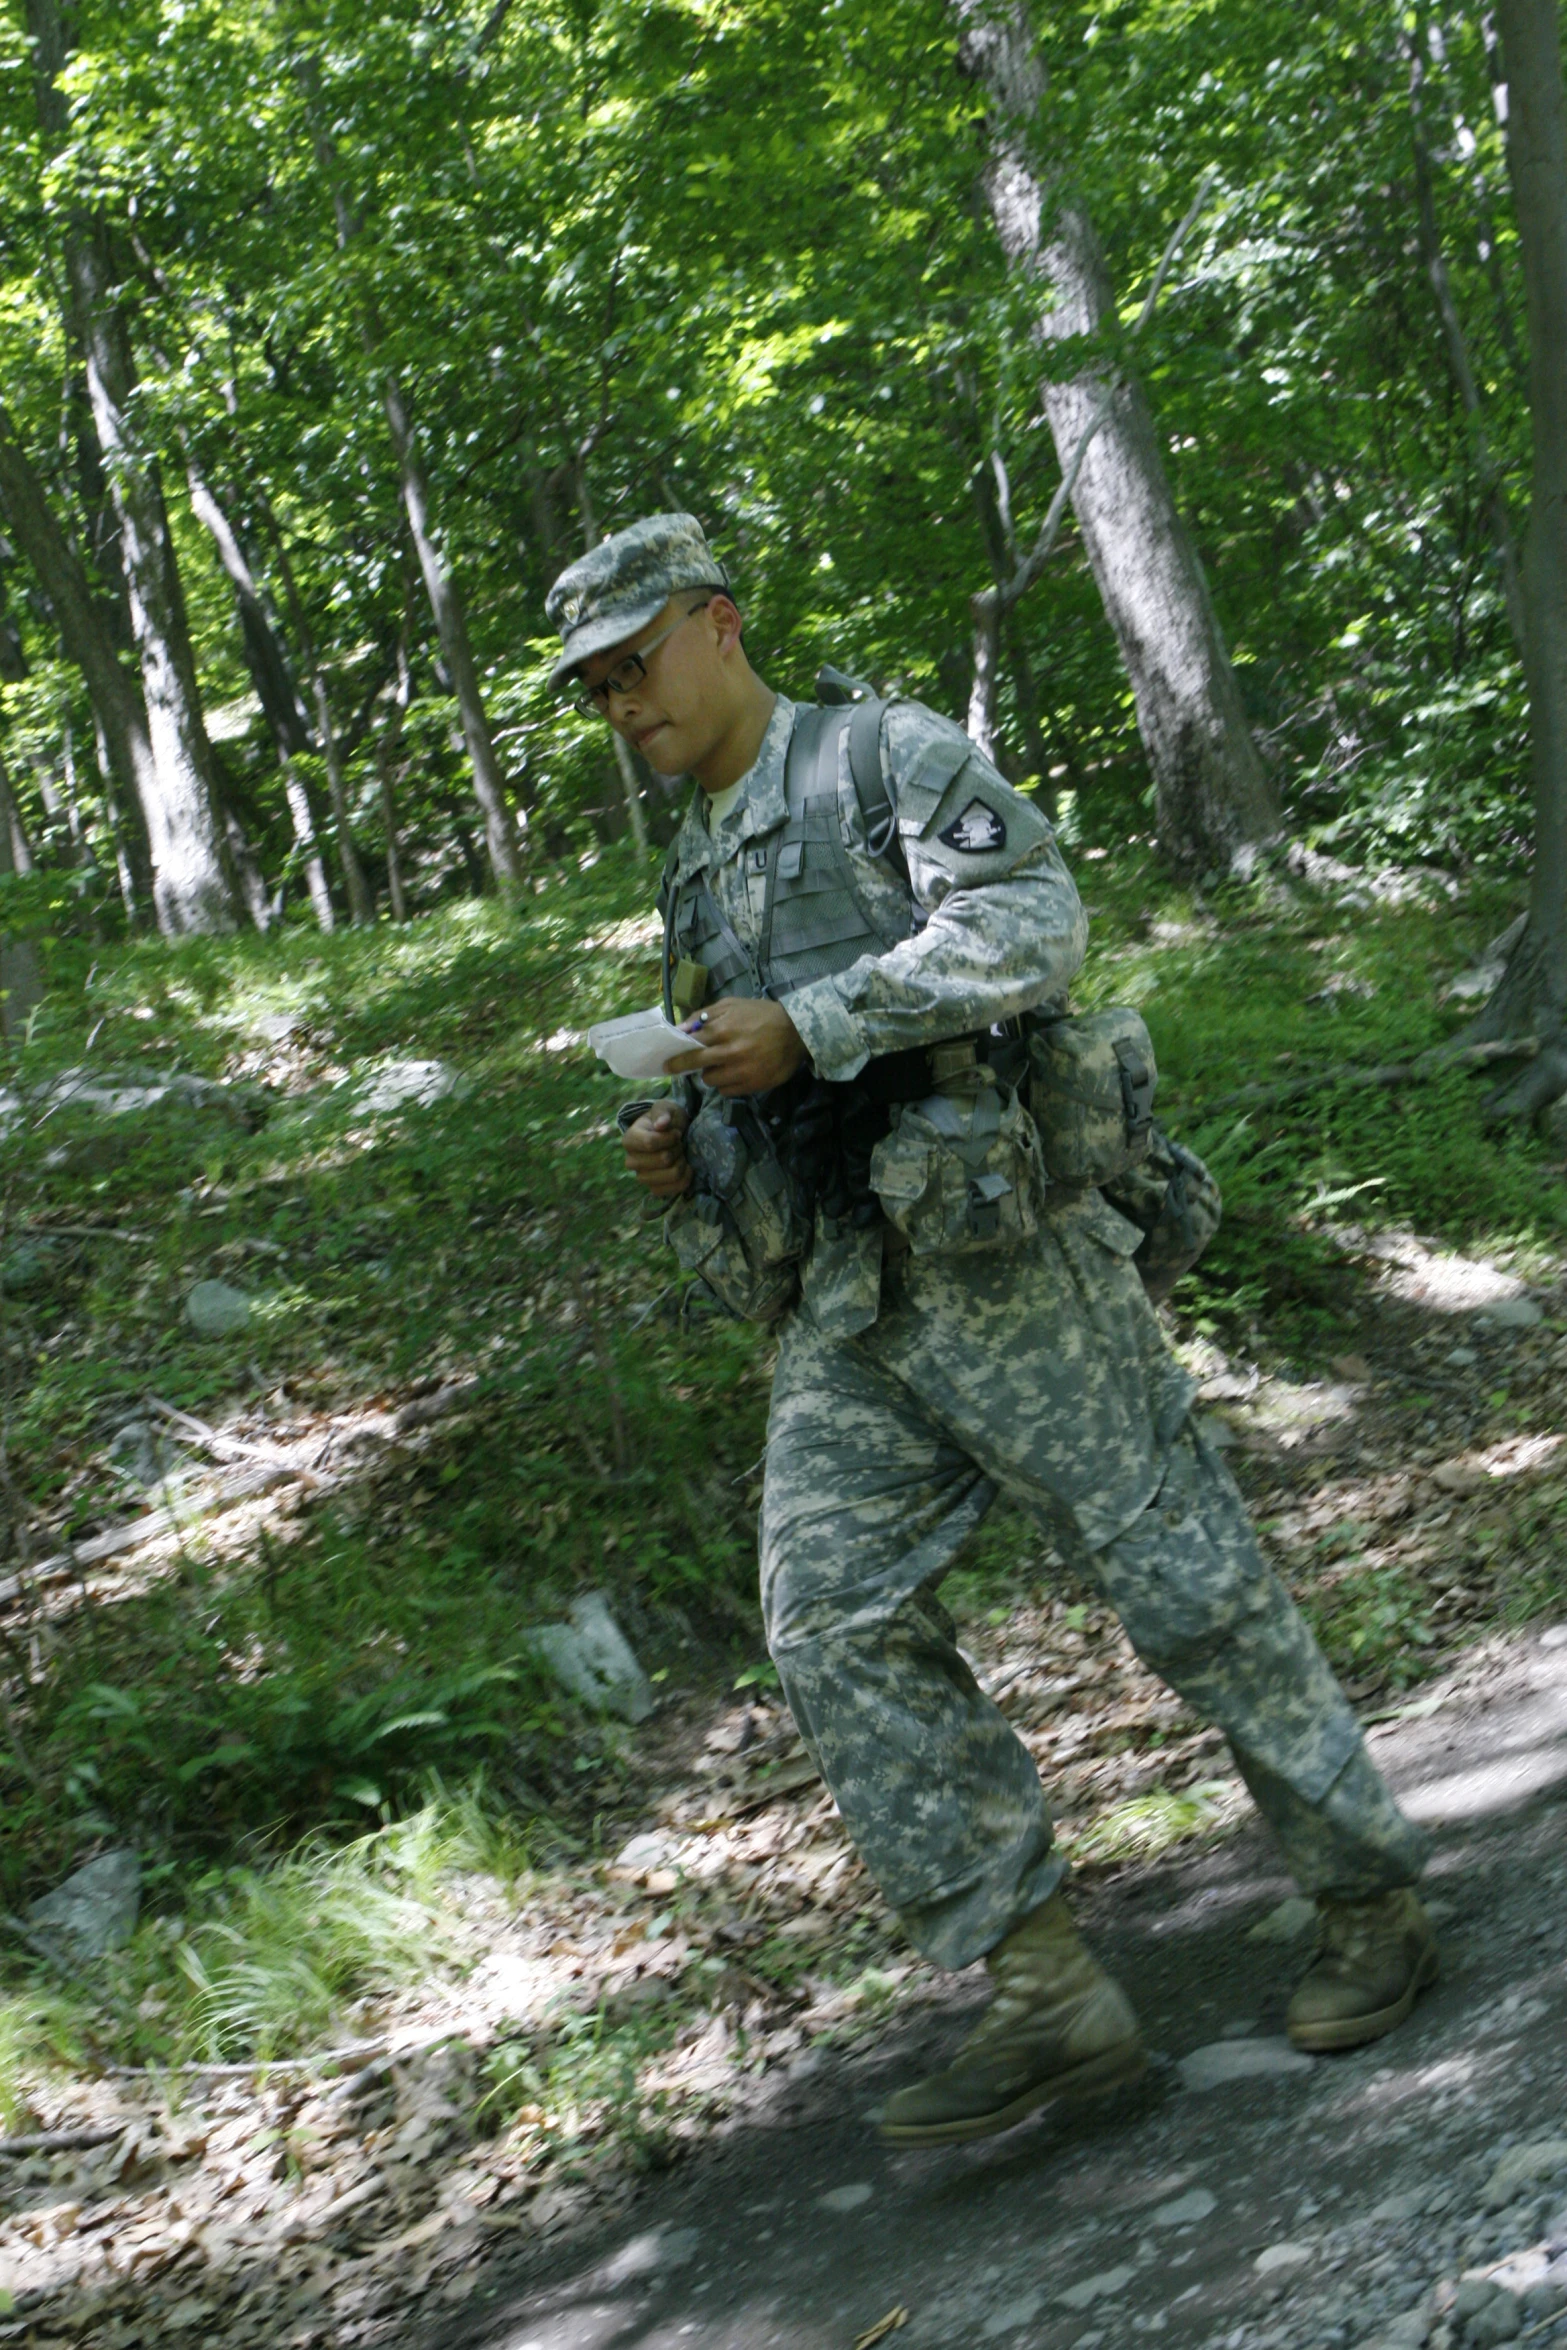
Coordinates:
x,y
631,788
1214,797
192,889
1532,998
361,904
21,973
489,787
17,848
83,621
1492,494
304,823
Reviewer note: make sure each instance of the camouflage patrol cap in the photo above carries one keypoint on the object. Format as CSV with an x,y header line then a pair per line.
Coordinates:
x,y
617,588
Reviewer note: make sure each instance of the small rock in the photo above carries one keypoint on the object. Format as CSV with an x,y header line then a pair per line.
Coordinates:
x,y
848,2198
1195,2204
94,1910
1513,1313
1099,2288
592,1658
1520,2166
1278,2256
214,1310
1556,1637
650,1850
645,2255
1012,2314
1462,1358
409,1085
1223,2061
1288,1923
1405,2205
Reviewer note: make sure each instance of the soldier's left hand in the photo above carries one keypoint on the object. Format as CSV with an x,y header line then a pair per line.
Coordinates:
x,y
749,1045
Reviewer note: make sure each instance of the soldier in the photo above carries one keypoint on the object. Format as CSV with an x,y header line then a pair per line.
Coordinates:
x,y
851,938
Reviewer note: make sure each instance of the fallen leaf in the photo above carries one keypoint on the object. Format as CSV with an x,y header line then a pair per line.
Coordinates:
x,y
883,2326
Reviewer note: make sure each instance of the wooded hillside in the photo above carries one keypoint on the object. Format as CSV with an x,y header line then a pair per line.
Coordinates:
x,y
1174,396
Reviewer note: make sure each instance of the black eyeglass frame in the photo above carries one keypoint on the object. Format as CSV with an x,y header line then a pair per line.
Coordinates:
x,y
630,670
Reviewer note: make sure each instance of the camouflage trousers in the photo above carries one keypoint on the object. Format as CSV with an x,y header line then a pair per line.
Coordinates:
x,y
885,1452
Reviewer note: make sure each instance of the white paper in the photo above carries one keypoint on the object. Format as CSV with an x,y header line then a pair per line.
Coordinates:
x,y
642,1044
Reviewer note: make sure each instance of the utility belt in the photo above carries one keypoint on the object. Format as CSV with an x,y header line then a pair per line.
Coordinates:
x,y
939,1149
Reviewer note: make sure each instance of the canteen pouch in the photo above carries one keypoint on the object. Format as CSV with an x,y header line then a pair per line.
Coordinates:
x,y
960,1170
1175,1203
737,1230
1091,1086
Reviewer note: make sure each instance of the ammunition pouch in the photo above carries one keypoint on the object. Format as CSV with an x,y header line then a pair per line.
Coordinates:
x,y
960,1170
738,1229
1092,1077
1175,1203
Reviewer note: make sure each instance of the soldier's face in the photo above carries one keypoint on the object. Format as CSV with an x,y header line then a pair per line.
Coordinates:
x,y
681,706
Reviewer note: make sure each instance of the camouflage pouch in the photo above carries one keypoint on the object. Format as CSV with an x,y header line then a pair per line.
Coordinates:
x,y
1175,1203
1091,1086
738,1230
961,1170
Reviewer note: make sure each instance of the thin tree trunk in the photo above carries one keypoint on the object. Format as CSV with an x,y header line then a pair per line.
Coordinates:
x,y
247,870
394,860
18,848
304,824
21,973
1214,797
83,621
264,655
124,860
192,889
361,904
489,786
985,670
1493,496
1532,998
631,788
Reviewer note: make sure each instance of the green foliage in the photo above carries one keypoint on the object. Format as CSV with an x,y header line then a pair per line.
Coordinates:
x,y
607,279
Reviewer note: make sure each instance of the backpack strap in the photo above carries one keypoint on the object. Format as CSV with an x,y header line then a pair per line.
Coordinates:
x,y
870,784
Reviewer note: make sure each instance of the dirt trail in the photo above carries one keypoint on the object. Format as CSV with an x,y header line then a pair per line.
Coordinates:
x,y
1335,2202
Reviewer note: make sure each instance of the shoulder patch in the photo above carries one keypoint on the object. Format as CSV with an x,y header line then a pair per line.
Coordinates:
x,y
976,832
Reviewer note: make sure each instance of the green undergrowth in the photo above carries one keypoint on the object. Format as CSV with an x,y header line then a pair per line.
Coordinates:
x,y
1279,987
267,1701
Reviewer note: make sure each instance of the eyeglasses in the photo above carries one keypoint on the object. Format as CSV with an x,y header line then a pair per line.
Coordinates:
x,y
630,670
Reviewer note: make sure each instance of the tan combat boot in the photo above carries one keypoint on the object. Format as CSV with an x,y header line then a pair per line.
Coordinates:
x,y
1057,2027
1373,1960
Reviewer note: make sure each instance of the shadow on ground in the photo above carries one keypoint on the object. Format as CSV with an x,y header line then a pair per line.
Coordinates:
x,y
1304,2206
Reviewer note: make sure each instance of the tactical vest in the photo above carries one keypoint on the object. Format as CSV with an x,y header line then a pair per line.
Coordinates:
x,y
815,920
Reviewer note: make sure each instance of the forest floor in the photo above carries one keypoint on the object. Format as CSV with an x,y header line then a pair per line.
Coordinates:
x,y
445,1994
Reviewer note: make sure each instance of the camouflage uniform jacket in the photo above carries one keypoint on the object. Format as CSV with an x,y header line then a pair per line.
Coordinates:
x,y
1004,928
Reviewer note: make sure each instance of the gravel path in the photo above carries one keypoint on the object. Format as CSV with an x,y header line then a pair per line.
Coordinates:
x,y
1412,2194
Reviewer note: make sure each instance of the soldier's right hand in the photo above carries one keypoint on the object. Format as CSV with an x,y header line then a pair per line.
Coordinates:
x,y
656,1151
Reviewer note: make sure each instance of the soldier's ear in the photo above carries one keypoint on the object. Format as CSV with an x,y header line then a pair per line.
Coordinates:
x,y
727,619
